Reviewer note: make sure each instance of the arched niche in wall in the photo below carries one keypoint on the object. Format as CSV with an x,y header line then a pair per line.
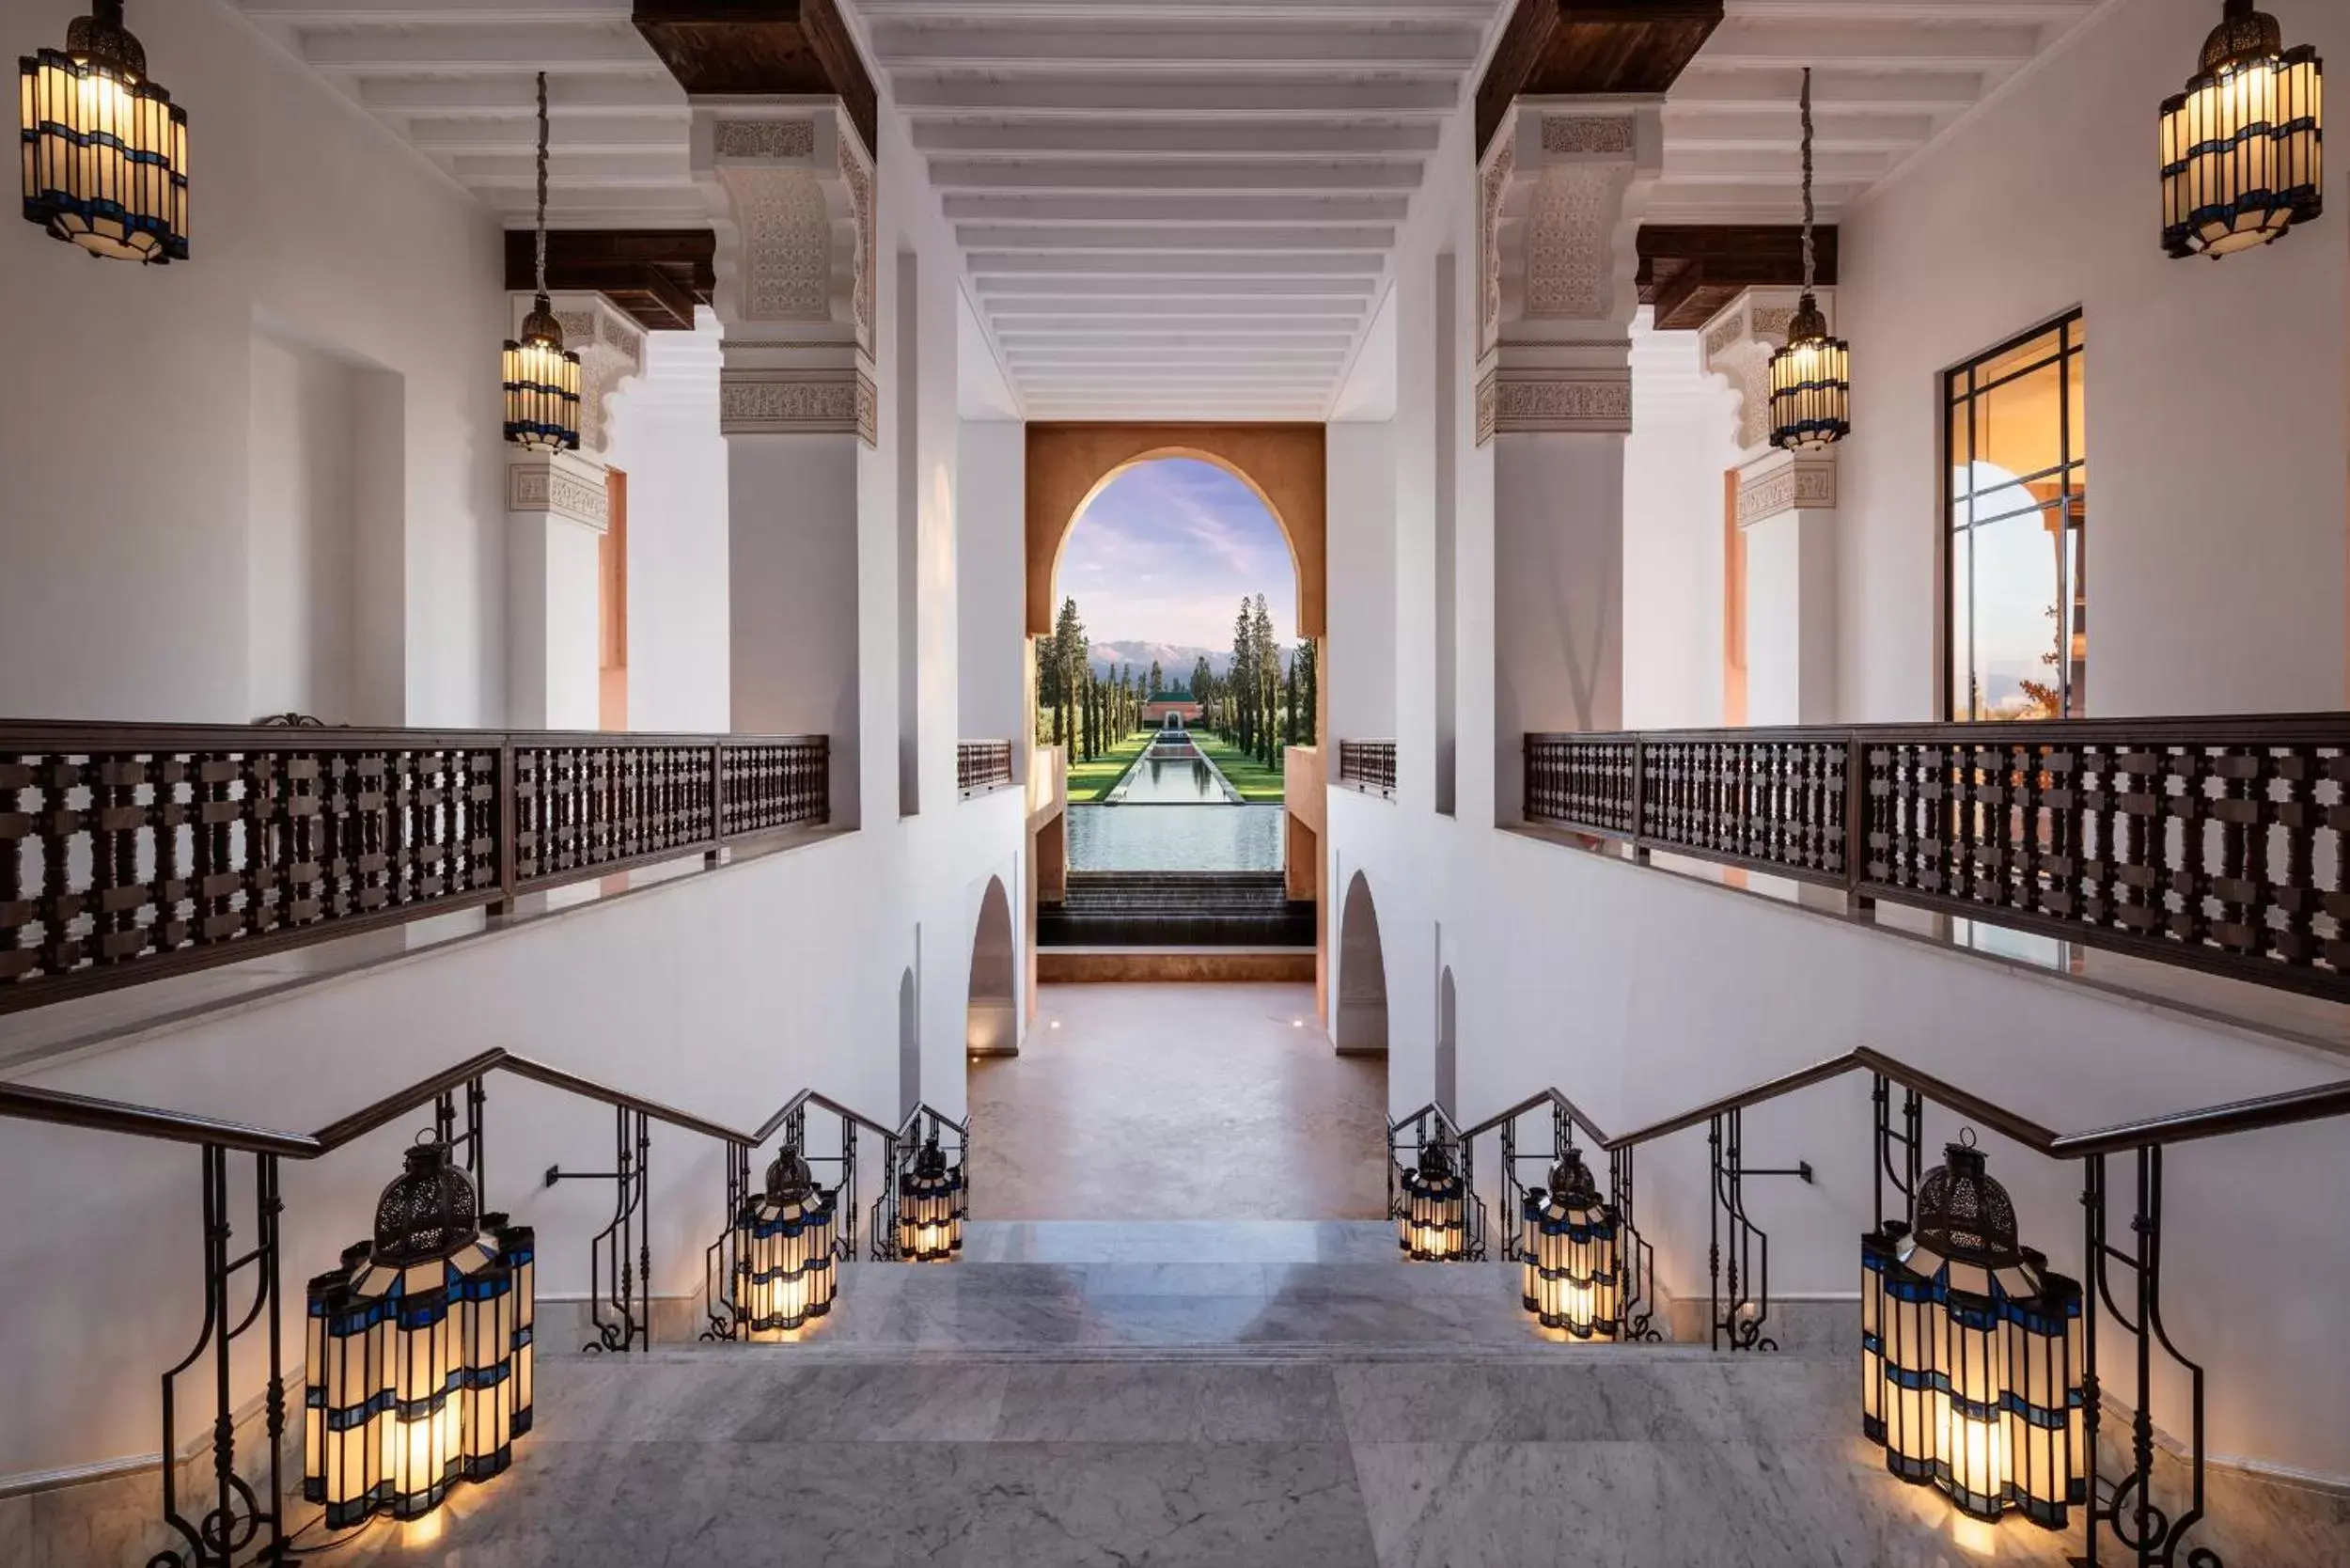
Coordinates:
x,y
909,1045
1362,1010
1068,464
992,1017
1448,1046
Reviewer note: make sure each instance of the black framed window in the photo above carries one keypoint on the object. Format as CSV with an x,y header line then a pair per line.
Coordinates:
x,y
2015,604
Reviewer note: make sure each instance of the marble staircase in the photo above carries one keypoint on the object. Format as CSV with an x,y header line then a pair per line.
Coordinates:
x,y
1290,1395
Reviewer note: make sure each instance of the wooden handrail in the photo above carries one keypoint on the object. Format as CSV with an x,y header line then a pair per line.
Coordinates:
x,y
25,1102
2313,1103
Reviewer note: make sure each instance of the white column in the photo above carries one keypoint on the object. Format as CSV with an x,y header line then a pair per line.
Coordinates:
x,y
1787,520
791,192
1562,194
556,511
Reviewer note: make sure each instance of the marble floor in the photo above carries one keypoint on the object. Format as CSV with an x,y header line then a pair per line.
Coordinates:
x,y
1181,1102
1265,1395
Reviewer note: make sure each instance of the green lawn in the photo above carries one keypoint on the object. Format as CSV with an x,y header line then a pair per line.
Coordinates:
x,y
1092,780
1252,778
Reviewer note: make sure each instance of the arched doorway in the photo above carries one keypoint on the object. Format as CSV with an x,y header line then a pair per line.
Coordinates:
x,y
909,1046
1362,1010
991,1017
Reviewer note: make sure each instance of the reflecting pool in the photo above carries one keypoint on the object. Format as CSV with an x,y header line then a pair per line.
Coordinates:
x,y
1217,837
1181,780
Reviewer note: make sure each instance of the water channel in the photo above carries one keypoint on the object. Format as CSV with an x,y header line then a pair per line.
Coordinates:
x,y
1175,813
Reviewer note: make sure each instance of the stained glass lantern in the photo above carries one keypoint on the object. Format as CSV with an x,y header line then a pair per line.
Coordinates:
x,y
105,149
785,1241
1811,383
1433,1226
1571,1239
930,1207
420,1358
542,376
1971,1353
1811,377
2242,146
541,385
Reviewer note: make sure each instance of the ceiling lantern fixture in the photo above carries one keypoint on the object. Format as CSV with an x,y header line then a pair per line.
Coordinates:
x,y
1811,377
2242,146
786,1241
1971,1352
420,1372
1572,1281
542,376
105,149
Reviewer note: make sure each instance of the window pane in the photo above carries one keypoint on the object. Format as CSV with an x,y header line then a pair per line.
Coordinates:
x,y
2017,602
2007,362
2017,424
2014,614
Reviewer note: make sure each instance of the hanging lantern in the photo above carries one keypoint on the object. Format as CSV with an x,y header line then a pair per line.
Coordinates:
x,y
420,1358
1571,1236
1971,1353
542,376
2242,146
1433,1226
1811,377
105,149
785,1242
930,1207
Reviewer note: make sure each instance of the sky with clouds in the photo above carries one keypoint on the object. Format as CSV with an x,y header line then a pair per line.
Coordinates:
x,y
1166,552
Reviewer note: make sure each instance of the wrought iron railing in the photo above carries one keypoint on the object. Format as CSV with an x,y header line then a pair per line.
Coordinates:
x,y
1407,1135
1740,1301
2212,843
982,766
1368,765
133,852
245,1515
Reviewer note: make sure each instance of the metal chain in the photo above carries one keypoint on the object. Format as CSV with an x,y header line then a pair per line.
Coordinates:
x,y
542,182
1807,181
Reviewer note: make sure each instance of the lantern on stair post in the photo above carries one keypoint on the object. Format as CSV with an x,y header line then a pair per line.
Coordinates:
x,y
1433,1226
785,1243
930,1207
420,1361
1572,1281
1971,1353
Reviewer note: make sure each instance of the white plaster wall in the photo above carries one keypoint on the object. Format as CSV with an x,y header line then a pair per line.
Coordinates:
x,y
2215,391
299,568
1360,652
1681,444
123,431
553,570
665,435
989,555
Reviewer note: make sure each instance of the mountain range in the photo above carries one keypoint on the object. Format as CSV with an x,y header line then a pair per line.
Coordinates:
x,y
1175,659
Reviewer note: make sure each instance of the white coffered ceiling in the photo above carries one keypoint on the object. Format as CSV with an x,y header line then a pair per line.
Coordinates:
x,y
1177,209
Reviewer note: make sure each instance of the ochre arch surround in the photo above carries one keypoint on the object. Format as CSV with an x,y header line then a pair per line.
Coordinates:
x,y
1283,463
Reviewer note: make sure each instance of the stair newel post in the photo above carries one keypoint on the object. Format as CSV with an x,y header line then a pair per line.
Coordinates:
x,y
2094,1266
1513,1239
848,1184
1714,1230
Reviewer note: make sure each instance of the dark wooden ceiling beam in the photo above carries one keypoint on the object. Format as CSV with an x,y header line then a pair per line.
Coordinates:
x,y
1590,46
1689,271
655,276
753,47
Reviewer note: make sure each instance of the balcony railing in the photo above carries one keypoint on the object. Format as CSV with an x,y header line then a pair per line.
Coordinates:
x,y
2213,843
130,853
1368,765
982,766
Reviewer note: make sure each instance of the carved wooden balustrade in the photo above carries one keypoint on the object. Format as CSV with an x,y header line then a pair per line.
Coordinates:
x,y
1368,765
982,766
2215,844
132,852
